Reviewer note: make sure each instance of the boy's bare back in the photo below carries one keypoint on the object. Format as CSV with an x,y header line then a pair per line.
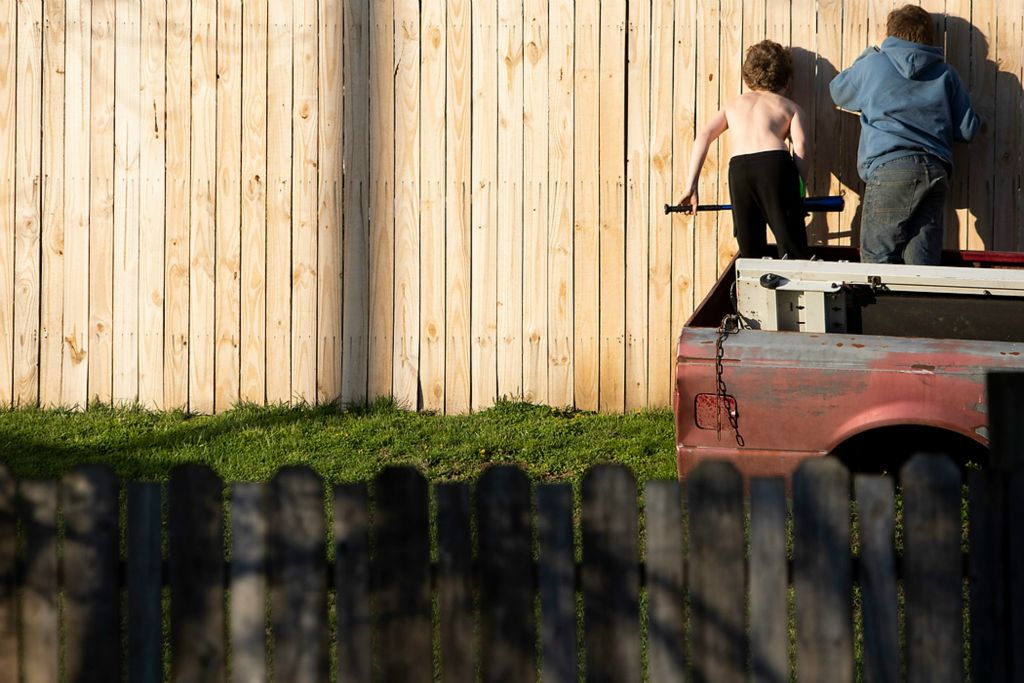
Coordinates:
x,y
760,121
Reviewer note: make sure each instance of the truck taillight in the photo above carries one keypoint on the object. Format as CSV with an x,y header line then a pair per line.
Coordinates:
x,y
711,411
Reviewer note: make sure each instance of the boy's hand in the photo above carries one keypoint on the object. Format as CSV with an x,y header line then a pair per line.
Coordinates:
x,y
689,199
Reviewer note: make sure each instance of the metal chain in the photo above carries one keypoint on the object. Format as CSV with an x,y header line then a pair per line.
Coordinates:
x,y
730,325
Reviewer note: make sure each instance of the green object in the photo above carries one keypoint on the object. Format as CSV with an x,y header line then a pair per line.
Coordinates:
x,y
803,188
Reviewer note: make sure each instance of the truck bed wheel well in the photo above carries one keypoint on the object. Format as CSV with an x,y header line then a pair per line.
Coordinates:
x,y
887,448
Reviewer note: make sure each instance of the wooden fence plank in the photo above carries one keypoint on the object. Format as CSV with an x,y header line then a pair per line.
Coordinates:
x,y
536,186
280,80
152,163
802,29
339,222
1015,567
510,198
400,576
195,535
659,164
684,60
958,56
228,225
127,108
989,619
8,183
980,220
855,39
705,239
586,192
202,240
1009,111
826,116
407,191
75,321
298,584
507,630
561,151
432,66
454,583
875,515
51,285
637,225
610,574
822,572
714,495
769,637
731,52
484,322
145,616
38,599
556,583
352,582
356,289
252,359
932,569
91,592
9,665
177,249
249,551
305,158
381,198
458,217
612,197
663,517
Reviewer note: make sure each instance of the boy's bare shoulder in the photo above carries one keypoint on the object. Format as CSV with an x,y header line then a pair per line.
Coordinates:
x,y
763,99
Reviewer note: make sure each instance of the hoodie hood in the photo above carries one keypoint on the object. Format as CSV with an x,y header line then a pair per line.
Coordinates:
x,y
910,59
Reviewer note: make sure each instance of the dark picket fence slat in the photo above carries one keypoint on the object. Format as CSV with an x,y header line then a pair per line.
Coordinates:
x,y
663,517
556,583
145,620
352,582
507,647
9,666
400,577
195,535
249,549
454,585
298,575
714,495
822,571
932,569
1015,567
876,516
768,582
986,564
39,584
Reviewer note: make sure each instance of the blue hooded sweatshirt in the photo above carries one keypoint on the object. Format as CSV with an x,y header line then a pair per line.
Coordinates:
x,y
910,102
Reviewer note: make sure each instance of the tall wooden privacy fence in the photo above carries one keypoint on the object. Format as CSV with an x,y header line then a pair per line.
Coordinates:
x,y
446,201
403,613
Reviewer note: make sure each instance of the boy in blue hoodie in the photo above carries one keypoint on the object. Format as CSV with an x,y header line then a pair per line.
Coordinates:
x,y
912,107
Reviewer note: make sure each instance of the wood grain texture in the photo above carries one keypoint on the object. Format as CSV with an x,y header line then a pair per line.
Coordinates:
x,y
827,122
77,104
152,216
432,337
730,52
178,204
561,186
855,36
51,282
708,101
8,179
227,276
1007,125
684,121
536,186
252,358
458,209
980,225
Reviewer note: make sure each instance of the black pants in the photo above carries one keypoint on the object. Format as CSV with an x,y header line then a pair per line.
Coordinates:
x,y
765,188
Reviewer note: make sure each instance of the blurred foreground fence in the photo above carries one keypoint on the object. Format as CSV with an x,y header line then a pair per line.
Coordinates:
x,y
409,608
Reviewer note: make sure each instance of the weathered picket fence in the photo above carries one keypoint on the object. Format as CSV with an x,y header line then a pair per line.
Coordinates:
x,y
717,598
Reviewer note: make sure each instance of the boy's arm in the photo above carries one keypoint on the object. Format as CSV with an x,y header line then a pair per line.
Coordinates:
x,y
716,126
798,134
965,119
845,87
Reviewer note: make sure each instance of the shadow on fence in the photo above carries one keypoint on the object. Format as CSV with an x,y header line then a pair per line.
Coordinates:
x,y
722,568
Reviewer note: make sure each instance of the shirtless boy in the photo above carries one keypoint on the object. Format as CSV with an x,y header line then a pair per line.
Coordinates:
x,y
764,177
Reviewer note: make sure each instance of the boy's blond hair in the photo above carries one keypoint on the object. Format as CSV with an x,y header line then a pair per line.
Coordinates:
x,y
768,66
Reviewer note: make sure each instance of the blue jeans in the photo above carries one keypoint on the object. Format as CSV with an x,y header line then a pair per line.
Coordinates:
x,y
901,217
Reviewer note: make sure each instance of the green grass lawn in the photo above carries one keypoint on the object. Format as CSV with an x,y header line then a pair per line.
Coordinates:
x,y
250,443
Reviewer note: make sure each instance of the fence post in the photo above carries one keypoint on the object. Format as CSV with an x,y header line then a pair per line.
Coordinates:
x,y
876,506
39,584
768,581
1006,404
556,583
145,617
8,546
663,519
454,585
248,628
714,496
507,647
352,581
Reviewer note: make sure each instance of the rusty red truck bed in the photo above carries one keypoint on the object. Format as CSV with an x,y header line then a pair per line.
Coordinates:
x,y
890,369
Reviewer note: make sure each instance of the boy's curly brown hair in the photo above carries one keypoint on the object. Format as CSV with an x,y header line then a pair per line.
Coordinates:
x,y
768,66
912,23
